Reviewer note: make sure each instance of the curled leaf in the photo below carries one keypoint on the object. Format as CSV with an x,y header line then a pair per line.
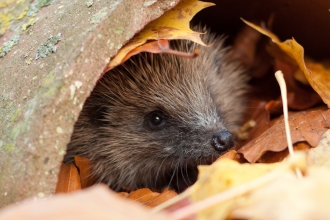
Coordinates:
x,y
319,78
173,24
68,179
84,166
159,46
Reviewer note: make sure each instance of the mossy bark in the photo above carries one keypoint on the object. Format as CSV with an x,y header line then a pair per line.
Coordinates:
x,y
52,54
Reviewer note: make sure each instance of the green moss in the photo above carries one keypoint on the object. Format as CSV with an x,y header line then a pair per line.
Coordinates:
x,y
89,3
51,91
49,78
5,23
16,131
128,35
35,7
9,147
97,17
48,47
5,3
9,45
51,85
11,13
118,31
16,114
29,23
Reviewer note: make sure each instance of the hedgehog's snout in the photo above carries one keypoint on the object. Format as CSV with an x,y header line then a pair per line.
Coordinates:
x,y
222,140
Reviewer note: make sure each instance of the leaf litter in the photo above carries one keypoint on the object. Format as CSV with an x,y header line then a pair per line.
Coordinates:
x,y
279,187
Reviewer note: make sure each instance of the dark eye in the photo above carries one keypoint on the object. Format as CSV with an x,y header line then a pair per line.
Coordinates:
x,y
156,119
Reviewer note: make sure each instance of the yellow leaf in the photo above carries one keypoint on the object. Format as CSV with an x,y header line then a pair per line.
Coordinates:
x,y
289,197
173,24
222,175
319,78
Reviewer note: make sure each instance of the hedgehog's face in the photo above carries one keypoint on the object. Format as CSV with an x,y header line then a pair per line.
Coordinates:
x,y
156,146
150,122
156,130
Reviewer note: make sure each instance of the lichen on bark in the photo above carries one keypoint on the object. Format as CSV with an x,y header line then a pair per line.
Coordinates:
x,y
40,99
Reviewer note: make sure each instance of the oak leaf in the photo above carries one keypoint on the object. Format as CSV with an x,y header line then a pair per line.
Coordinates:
x,y
273,157
306,126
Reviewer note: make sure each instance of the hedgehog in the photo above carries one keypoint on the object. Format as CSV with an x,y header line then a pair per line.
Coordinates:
x,y
152,120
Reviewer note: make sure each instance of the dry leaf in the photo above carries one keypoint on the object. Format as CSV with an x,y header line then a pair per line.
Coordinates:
x,y
84,166
173,24
289,198
300,97
71,179
320,155
148,197
248,49
273,157
306,126
319,79
231,154
274,107
68,179
220,176
258,121
159,46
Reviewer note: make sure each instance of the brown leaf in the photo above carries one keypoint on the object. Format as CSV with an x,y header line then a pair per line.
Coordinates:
x,y
162,197
319,79
257,115
148,197
68,179
173,24
274,107
231,154
84,166
306,126
159,46
300,97
273,157
249,48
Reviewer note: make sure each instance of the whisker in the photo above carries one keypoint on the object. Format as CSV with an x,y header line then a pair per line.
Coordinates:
x,y
159,170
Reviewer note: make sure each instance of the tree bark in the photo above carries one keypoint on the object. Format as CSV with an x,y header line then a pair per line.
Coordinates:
x,y
52,54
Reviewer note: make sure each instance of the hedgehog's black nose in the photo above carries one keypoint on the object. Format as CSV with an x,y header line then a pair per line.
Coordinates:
x,y
222,140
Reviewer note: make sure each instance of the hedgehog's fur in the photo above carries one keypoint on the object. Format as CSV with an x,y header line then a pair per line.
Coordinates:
x,y
197,97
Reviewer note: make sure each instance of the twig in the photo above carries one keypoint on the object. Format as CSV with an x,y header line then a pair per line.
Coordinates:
x,y
281,82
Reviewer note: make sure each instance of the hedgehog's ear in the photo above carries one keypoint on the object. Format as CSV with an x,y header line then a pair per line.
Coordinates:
x,y
96,115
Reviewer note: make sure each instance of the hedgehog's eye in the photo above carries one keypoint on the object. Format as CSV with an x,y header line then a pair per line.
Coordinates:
x,y
156,119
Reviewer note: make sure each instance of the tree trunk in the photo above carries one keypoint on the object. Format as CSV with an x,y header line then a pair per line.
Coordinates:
x,y
52,54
